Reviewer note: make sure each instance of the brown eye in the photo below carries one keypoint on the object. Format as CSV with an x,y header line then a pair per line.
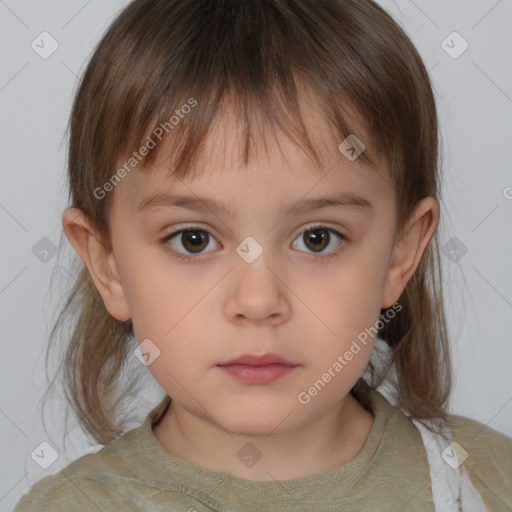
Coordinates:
x,y
188,242
317,239
194,241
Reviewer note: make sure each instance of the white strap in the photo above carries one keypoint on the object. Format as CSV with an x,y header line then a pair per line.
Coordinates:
x,y
452,490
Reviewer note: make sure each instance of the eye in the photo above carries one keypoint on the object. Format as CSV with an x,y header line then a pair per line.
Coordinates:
x,y
317,237
193,239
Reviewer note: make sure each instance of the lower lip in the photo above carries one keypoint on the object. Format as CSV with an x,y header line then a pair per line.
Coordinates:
x,y
257,374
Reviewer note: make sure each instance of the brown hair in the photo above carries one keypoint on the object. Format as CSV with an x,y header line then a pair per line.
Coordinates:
x,y
157,56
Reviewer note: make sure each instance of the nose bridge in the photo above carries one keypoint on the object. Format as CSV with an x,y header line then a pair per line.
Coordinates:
x,y
254,262
258,291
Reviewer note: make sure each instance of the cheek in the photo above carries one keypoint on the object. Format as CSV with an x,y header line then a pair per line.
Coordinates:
x,y
188,344
174,311
158,290
163,309
347,299
344,311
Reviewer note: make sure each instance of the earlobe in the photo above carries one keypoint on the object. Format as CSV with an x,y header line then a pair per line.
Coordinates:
x,y
409,250
99,262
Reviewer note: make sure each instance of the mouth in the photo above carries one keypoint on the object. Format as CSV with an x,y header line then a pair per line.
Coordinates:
x,y
258,360
257,369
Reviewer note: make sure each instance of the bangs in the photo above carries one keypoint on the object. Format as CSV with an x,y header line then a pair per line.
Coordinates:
x,y
178,135
255,55
167,72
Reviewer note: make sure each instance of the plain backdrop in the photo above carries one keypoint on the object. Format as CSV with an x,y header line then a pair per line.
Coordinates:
x,y
474,97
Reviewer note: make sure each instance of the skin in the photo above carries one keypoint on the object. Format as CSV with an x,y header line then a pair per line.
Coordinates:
x,y
218,306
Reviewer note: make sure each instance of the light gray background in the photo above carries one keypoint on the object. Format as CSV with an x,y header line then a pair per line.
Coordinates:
x,y
474,96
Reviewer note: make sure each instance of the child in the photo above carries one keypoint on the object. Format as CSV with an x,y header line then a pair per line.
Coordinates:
x,y
260,292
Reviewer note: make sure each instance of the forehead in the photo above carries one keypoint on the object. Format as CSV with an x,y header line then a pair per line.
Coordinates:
x,y
278,167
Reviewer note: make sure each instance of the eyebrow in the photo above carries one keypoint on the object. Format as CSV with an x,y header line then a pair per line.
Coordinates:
x,y
206,204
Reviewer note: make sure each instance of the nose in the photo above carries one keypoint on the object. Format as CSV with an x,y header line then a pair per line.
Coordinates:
x,y
258,294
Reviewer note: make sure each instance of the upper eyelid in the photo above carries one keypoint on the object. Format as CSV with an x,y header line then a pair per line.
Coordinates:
x,y
307,227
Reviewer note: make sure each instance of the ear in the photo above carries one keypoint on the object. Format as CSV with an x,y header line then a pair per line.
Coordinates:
x,y
409,250
100,263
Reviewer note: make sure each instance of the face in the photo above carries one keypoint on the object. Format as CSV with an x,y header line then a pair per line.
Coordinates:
x,y
257,272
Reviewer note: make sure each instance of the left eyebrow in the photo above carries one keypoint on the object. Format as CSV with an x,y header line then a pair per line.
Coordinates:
x,y
205,204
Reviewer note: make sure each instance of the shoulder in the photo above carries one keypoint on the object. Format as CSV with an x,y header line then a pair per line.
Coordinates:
x,y
89,483
482,442
487,458
62,492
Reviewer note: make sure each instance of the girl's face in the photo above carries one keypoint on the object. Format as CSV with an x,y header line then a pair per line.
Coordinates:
x,y
263,268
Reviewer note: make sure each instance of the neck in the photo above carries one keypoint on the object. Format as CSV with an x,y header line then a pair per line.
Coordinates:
x,y
317,447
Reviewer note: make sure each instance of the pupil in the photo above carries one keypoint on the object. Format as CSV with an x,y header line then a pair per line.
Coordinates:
x,y
318,236
193,239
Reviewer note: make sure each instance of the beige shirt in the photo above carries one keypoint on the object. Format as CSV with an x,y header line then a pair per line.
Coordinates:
x,y
390,473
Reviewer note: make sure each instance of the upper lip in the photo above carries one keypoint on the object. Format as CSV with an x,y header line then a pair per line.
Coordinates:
x,y
258,360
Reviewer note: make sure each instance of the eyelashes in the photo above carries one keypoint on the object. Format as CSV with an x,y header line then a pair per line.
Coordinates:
x,y
197,238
